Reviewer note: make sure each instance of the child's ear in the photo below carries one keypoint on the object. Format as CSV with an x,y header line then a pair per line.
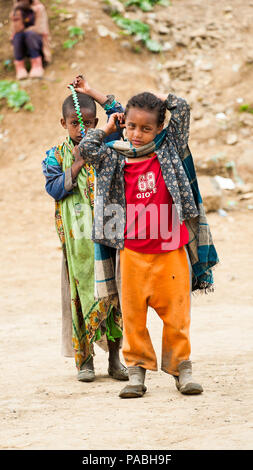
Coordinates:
x,y
96,122
160,128
63,123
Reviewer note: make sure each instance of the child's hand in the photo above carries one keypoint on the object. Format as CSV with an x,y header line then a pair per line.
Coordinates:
x,y
81,85
78,163
114,120
18,24
77,156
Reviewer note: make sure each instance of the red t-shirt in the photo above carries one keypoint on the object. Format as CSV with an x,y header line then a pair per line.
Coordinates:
x,y
152,224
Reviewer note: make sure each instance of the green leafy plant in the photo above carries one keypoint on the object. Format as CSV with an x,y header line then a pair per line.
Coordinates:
x,y
146,5
70,43
132,27
139,29
246,108
16,97
75,34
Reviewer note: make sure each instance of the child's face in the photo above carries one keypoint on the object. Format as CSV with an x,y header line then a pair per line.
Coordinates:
x,y
141,126
72,125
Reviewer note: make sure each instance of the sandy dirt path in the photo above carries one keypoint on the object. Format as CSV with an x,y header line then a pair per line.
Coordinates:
x,y
43,406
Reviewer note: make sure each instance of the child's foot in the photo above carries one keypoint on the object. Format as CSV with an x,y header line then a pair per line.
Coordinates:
x,y
118,371
184,382
136,387
86,373
133,391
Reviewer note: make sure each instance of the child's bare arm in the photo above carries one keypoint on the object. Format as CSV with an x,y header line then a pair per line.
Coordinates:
x,y
92,148
77,165
17,24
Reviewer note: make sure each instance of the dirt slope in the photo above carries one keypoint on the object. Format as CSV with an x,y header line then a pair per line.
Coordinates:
x,y
43,406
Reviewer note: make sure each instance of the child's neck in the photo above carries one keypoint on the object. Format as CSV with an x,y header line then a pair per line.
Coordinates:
x,y
140,159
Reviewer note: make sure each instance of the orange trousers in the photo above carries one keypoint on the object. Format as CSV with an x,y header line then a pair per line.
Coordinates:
x,y
163,282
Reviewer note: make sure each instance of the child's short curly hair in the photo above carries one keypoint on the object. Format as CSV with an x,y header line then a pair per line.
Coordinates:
x,y
150,102
85,101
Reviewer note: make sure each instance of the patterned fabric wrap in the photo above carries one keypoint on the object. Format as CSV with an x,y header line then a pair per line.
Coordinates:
x,y
73,218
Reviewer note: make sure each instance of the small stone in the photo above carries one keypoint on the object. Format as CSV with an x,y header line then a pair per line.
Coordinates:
x,y
231,139
22,157
103,32
211,194
174,64
162,29
221,116
249,59
126,44
236,67
206,67
167,46
65,16
197,115
224,183
198,33
246,196
80,53
114,6
227,9
112,69
82,18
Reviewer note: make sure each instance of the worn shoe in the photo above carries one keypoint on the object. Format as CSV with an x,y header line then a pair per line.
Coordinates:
x,y
184,382
86,373
118,373
136,387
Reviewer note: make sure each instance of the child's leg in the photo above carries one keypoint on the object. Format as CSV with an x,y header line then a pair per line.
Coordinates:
x,y
116,369
33,44
171,298
137,347
19,55
84,365
19,46
34,48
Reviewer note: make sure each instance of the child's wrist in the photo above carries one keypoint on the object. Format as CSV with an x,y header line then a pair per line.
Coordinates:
x,y
107,130
78,164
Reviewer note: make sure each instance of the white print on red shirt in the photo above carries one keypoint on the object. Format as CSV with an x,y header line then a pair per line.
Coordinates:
x,y
146,181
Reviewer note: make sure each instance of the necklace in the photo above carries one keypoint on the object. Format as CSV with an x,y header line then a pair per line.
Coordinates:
x,y
77,108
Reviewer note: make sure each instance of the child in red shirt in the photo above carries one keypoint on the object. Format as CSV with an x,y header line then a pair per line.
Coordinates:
x,y
154,264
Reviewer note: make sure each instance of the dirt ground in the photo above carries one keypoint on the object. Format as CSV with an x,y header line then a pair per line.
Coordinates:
x,y
43,406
